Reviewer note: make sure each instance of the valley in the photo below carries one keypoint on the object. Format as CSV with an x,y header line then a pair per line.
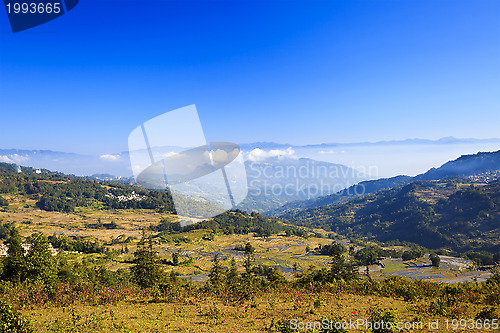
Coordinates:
x,y
199,246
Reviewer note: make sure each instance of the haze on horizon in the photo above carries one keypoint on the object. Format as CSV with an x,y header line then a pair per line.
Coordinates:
x,y
377,160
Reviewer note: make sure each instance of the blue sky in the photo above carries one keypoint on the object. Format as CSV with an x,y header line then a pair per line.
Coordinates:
x,y
296,72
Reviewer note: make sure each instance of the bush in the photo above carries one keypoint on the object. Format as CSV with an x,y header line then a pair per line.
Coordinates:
x,y
388,318
487,313
412,254
3,202
282,326
367,256
436,261
12,321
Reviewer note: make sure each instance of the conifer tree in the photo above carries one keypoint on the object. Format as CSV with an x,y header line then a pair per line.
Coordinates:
x,y
146,270
40,263
248,260
216,275
232,273
15,263
340,268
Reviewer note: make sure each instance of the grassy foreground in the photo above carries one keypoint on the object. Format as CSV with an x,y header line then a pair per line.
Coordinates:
x,y
267,312
209,314
181,307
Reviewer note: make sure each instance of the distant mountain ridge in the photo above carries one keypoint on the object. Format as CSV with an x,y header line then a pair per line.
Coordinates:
x,y
365,187
68,163
416,141
273,181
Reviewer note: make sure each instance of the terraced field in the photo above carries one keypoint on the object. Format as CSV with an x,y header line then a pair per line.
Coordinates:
x,y
197,251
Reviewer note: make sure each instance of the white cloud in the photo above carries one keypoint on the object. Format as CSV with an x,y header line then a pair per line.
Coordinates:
x,y
222,156
5,158
14,158
258,154
219,155
327,152
109,157
172,153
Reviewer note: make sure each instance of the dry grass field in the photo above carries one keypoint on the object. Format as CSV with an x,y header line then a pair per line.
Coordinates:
x,y
269,312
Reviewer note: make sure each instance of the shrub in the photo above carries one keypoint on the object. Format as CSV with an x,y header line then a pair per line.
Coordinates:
x,y
386,319
12,321
282,326
3,202
487,313
436,261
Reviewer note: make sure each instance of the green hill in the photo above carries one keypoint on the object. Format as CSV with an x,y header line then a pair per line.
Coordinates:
x,y
58,192
452,213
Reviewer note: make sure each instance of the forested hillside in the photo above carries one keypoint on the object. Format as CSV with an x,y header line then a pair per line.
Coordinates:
x,y
58,192
236,222
466,165
451,214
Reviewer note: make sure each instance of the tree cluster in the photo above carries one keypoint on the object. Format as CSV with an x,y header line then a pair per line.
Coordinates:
x,y
234,222
57,192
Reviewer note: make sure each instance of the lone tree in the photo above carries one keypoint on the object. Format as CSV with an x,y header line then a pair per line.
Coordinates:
x,y
435,260
216,275
146,270
40,263
412,254
337,249
248,259
232,273
367,256
340,268
175,258
15,263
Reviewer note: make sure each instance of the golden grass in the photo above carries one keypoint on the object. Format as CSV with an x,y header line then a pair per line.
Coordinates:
x,y
210,315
